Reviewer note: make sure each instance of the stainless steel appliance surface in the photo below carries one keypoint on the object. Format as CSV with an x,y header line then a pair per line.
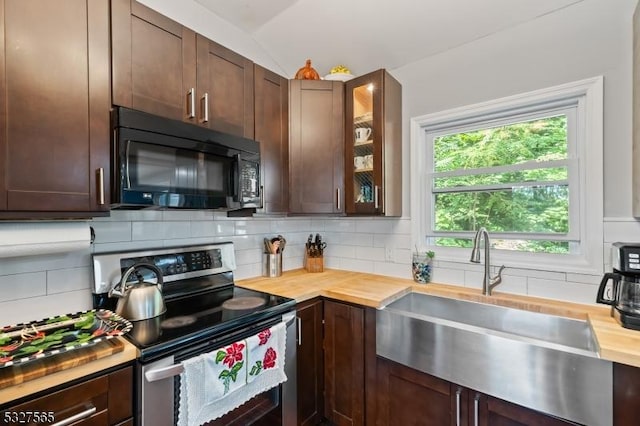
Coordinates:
x,y
204,311
623,293
162,163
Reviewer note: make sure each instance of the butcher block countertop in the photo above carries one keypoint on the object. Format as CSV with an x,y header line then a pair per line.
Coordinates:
x,y
615,343
35,376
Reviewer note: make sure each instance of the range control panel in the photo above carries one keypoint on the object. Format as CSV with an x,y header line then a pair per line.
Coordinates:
x,y
175,263
178,263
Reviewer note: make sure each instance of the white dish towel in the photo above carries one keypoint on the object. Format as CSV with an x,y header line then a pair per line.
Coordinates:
x,y
219,381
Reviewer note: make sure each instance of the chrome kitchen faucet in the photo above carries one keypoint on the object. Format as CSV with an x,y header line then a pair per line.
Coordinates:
x,y
488,283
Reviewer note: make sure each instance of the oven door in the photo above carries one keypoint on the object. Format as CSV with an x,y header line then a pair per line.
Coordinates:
x,y
158,385
164,171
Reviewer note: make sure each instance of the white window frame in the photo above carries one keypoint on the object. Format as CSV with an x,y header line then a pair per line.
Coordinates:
x,y
587,253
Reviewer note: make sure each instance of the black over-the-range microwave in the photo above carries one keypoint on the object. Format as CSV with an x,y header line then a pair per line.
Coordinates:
x,y
163,163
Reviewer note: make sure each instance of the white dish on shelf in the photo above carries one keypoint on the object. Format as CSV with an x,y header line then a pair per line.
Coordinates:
x,y
339,76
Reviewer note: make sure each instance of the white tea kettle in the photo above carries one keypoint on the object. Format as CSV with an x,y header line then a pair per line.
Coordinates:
x,y
142,300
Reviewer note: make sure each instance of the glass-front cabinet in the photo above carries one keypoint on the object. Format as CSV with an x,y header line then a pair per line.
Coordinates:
x,y
373,153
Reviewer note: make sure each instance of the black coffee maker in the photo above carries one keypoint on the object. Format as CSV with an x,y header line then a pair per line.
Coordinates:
x,y
624,294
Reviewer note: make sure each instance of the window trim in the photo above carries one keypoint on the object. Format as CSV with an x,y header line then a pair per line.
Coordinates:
x,y
589,96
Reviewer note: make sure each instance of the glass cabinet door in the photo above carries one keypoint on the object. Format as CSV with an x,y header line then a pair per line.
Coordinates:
x,y
362,145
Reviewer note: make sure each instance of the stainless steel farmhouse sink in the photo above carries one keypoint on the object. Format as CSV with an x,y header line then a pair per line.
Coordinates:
x,y
544,362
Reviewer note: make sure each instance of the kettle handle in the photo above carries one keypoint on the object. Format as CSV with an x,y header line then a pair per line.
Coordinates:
x,y
603,285
121,287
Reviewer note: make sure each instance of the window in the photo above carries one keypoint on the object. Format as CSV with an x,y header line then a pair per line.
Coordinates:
x,y
528,168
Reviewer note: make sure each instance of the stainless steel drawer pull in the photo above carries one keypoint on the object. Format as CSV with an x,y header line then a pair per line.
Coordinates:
x,y
163,373
191,96
458,392
376,197
205,107
476,410
338,199
81,415
299,331
101,186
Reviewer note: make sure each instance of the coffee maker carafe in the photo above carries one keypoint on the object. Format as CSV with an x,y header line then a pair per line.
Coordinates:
x,y
624,294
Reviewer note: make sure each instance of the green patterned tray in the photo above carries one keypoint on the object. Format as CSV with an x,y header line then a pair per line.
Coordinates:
x,y
26,342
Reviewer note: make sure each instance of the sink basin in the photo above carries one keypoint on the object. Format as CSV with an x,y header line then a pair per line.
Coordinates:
x,y
575,334
544,362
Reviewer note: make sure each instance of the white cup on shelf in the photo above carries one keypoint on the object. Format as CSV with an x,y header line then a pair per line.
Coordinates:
x,y
362,134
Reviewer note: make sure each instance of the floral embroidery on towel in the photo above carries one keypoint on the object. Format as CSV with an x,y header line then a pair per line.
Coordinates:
x,y
270,356
231,356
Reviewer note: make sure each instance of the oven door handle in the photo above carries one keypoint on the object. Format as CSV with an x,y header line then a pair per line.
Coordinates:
x,y
289,318
163,373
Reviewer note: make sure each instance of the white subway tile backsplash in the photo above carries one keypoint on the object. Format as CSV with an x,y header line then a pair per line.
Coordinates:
x,y
332,262
364,240
547,275
374,226
22,286
249,256
64,280
392,269
151,230
340,225
370,253
37,308
622,230
17,265
225,228
130,245
401,226
357,265
177,230
447,276
512,284
247,227
177,215
111,232
562,290
203,229
402,256
339,250
584,279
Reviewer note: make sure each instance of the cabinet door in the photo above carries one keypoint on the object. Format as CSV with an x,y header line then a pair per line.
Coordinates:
x,y
373,145
316,146
272,131
626,394
104,400
225,89
310,363
407,396
54,118
344,363
496,412
154,62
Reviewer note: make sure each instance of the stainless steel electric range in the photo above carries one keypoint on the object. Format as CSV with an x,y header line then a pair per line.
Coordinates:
x,y
205,310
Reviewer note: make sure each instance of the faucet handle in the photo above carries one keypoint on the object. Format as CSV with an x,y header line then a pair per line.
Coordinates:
x,y
496,280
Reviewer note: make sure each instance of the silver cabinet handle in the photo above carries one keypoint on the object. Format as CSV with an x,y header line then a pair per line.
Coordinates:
x,y
476,410
262,196
338,199
205,107
100,172
458,392
376,196
163,373
81,415
127,155
191,97
299,331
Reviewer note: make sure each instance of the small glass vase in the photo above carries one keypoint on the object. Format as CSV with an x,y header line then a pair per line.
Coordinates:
x,y
421,267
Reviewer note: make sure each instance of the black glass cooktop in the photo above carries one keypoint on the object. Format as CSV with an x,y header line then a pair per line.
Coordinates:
x,y
198,317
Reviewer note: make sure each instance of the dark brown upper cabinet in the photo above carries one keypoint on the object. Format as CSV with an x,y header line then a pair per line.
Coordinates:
x,y
373,145
54,108
163,68
225,89
316,147
153,62
272,131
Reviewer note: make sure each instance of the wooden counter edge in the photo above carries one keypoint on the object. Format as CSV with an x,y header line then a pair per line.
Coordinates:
x,y
12,393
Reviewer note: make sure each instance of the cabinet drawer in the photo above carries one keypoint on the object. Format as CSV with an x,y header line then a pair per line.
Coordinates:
x,y
103,400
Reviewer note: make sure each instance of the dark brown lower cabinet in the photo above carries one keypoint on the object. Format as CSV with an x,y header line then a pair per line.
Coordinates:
x,y
410,397
103,400
626,395
310,368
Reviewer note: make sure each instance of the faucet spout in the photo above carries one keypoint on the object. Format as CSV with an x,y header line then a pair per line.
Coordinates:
x,y
488,282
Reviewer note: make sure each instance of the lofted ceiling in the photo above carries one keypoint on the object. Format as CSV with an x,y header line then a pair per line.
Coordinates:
x,y
366,35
